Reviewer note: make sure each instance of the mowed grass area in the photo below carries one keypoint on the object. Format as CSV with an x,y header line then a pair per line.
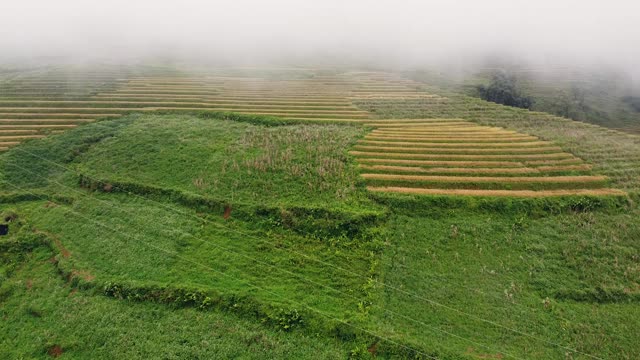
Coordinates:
x,y
264,239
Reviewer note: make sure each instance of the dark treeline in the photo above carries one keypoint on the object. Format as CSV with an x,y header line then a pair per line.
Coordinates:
x,y
633,101
503,89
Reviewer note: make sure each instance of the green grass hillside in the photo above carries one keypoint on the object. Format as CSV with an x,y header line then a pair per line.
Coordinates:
x,y
210,235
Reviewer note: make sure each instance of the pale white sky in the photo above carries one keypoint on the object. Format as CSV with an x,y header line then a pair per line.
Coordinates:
x,y
407,31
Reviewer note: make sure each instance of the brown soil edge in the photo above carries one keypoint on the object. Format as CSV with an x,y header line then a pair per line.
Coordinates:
x,y
56,241
501,193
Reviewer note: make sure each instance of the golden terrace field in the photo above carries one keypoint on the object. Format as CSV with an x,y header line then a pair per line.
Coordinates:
x,y
450,156
420,156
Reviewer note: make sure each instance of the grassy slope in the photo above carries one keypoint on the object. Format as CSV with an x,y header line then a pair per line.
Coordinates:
x,y
259,263
612,153
44,312
568,279
301,165
594,98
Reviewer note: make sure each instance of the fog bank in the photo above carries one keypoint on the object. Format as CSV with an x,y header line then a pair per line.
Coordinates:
x,y
390,33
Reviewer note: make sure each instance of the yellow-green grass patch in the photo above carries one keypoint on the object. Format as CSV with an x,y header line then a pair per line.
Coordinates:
x,y
447,163
213,100
452,134
436,127
222,107
240,104
581,167
63,110
66,115
490,179
501,193
294,115
423,121
502,150
457,144
237,98
20,137
553,162
44,121
173,87
466,156
137,101
49,126
321,119
425,126
309,114
446,132
17,132
427,121
454,138
460,170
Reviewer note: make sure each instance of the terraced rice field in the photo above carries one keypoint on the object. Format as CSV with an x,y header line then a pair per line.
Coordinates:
x,y
457,157
422,156
40,102
21,117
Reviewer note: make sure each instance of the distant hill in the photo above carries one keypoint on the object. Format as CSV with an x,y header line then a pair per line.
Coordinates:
x,y
604,97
